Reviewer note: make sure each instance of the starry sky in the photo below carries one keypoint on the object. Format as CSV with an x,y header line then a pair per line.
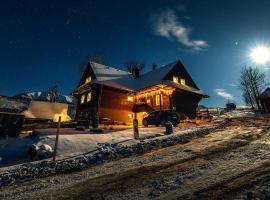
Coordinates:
x,y
46,42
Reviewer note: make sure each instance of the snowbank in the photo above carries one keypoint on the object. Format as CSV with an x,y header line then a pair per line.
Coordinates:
x,y
71,142
104,152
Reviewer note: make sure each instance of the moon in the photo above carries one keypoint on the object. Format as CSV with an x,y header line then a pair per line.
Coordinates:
x,y
260,54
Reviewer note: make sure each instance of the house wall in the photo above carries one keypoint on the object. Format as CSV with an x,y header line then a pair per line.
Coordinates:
x,y
115,105
87,110
153,103
186,103
265,104
180,71
47,110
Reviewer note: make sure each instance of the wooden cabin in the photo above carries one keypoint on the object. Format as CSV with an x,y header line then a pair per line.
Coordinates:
x,y
117,95
265,100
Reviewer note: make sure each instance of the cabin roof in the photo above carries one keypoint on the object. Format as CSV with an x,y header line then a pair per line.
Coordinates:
x,y
116,78
265,94
104,73
146,80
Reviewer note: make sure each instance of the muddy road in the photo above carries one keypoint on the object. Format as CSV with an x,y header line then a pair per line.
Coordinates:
x,y
229,163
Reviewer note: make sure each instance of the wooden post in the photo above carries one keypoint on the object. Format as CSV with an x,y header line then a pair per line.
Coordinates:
x,y
57,138
171,102
160,106
136,128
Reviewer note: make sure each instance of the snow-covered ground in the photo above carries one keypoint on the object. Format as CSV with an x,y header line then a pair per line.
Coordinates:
x,y
234,113
71,142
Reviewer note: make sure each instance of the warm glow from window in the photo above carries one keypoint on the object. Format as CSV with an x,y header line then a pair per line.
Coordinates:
x,y
183,81
88,79
82,99
89,96
175,79
130,116
158,98
148,101
130,98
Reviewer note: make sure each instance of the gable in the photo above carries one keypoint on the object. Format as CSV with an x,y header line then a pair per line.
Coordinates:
x,y
180,71
87,73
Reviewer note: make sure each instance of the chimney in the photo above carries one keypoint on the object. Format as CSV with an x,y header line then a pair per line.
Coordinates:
x,y
154,67
136,73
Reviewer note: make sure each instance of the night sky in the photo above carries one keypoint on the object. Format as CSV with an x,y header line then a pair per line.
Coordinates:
x,y
43,42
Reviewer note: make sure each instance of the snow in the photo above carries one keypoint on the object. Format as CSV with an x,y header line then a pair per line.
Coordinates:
x,y
123,80
104,72
12,105
44,96
47,110
73,143
145,80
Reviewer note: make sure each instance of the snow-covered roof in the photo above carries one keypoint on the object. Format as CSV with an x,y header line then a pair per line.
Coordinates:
x,y
185,87
265,94
43,96
146,80
123,80
104,72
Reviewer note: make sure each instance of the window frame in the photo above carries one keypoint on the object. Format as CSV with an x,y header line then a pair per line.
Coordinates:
x,y
89,97
82,99
183,81
176,79
88,79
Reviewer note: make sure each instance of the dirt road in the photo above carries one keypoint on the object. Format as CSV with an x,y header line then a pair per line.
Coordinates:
x,y
230,163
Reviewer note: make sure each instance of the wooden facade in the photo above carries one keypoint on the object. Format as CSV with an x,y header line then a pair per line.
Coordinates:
x,y
265,100
101,93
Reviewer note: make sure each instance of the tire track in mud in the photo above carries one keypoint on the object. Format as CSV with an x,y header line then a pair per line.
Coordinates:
x,y
106,184
155,167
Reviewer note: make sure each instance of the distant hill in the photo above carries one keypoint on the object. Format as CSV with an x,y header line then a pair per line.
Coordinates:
x,y
44,96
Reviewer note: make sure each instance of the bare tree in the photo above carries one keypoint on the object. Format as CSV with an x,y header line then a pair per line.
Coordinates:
x,y
133,65
54,93
95,57
251,83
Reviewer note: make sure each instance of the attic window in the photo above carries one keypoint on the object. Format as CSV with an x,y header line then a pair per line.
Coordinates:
x,y
89,97
88,79
175,79
183,81
82,99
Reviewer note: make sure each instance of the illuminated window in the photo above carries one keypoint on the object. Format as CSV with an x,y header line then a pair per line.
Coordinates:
x,y
82,99
183,81
158,98
130,98
88,79
148,101
130,116
175,79
89,96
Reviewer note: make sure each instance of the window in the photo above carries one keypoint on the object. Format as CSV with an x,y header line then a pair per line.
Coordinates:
x,y
148,101
82,99
175,79
130,98
130,116
89,96
183,81
88,79
158,98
